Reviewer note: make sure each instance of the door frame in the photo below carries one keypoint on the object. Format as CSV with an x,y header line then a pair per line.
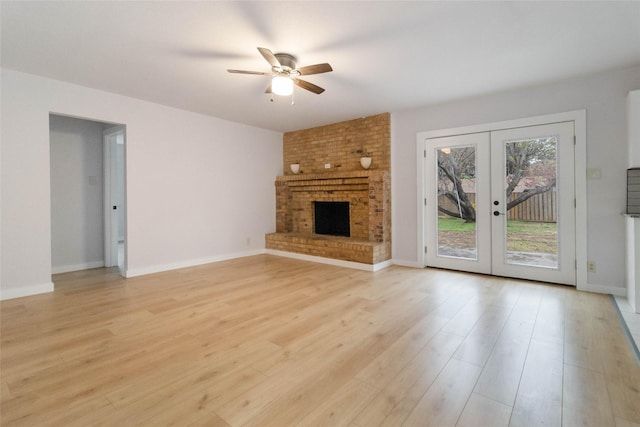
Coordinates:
x,y
578,117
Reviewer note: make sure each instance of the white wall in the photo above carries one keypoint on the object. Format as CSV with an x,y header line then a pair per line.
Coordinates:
x,y
198,188
602,95
633,224
633,128
77,206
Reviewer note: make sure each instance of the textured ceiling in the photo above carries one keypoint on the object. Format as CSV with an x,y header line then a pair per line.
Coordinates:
x,y
386,56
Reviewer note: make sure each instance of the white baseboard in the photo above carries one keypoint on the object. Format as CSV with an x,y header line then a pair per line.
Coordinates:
x,y
382,265
133,272
77,267
26,291
602,289
331,261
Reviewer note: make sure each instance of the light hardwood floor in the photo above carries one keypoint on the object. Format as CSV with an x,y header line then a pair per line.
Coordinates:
x,y
269,341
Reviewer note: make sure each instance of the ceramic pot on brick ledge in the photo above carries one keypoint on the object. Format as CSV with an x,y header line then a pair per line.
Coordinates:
x,y
365,162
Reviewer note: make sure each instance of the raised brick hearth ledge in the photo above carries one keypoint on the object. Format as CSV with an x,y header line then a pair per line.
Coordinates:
x,y
369,197
342,248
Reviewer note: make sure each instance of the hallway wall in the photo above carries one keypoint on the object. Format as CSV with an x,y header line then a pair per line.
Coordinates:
x,y
77,212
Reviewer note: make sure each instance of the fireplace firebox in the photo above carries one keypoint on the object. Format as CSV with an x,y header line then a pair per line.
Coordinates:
x,y
332,218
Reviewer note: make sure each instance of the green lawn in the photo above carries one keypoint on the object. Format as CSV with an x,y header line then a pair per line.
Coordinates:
x,y
455,224
521,236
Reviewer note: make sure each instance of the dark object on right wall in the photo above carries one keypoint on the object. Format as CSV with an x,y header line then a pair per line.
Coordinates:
x,y
633,191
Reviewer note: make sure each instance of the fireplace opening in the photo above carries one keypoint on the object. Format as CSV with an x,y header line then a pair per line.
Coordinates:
x,y
332,218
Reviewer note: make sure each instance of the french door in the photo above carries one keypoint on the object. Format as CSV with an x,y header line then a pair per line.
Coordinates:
x,y
502,203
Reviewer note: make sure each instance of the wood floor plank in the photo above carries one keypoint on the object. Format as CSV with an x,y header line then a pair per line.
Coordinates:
x,y
445,400
585,398
194,391
620,422
528,305
81,413
501,375
271,341
479,343
623,382
550,322
342,407
196,374
621,371
5,393
387,365
539,397
482,411
333,372
580,342
466,319
399,396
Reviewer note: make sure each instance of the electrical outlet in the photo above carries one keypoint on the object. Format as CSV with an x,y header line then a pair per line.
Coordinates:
x,y
591,266
327,165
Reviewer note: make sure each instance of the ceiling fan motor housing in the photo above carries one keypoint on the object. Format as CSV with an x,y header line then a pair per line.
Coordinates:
x,y
288,62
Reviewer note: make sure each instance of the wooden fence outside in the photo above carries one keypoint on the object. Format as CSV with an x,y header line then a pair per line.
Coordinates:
x,y
539,208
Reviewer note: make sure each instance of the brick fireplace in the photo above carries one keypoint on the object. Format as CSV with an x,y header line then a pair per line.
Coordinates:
x,y
367,192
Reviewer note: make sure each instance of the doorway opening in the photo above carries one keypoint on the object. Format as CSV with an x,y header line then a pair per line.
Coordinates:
x,y
87,167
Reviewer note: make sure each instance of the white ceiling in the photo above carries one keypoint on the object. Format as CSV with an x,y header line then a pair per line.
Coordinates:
x,y
386,55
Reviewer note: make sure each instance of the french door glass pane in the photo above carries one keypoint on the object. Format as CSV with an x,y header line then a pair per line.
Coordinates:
x,y
531,197
456,202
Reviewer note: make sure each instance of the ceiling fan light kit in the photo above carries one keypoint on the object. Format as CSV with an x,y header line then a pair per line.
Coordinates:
x,y
282,85
285,74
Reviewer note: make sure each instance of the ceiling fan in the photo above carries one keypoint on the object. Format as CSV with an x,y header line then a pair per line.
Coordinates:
x,y
285,74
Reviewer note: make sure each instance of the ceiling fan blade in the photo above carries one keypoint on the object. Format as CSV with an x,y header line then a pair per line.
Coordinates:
x,y
258,73
270,57
308,86
314,69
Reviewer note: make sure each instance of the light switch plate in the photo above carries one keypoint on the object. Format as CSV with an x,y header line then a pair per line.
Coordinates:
x,y
594,173
327,165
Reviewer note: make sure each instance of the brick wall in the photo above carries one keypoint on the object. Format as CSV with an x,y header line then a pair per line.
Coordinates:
x,y
367,191
341,145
